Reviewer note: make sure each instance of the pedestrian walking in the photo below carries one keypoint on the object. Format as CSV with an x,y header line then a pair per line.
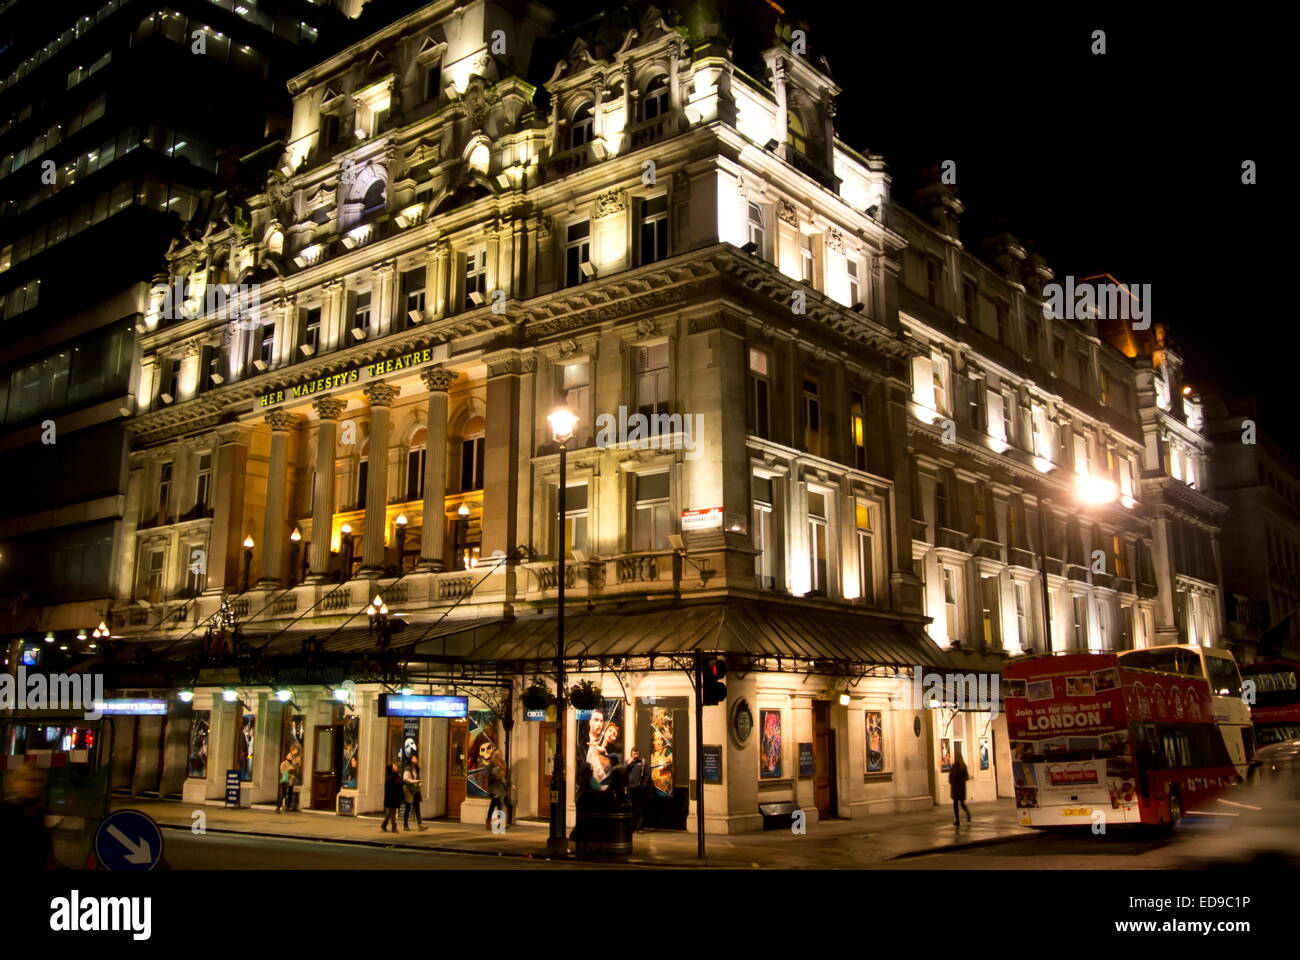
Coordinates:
x,y
392,797
411,794
284,799
957,777
496,790
295,795
636,781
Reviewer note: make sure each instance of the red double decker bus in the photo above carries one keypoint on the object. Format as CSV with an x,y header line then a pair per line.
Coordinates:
x,y
1094,740
1274,687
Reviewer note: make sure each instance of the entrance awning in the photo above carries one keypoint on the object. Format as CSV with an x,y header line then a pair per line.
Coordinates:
x,y
755,631
361,639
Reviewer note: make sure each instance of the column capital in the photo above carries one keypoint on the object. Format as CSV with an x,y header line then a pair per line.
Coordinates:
x,y
329,286
330,408
385,267
438,378
233,433
281,420
381,394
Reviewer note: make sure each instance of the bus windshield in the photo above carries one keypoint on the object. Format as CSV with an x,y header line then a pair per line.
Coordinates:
x,y
1224,679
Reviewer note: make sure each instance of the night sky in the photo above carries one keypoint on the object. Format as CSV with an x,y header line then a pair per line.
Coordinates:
x,y
1128,163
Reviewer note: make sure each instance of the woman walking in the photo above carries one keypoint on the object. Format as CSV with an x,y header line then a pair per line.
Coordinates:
x,y
392,797
411,791
957,778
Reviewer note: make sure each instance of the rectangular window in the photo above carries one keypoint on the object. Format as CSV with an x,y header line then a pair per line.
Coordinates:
x,y
866,554
651,524
415,462
942,512
576,383
195,576
1103,625
1079,606
1008,418
471,463
361,312
164,487
311,330
413,289
765,561
939,370
806,257
266,349
951,612
1126,628
1058,357
991,612
975,402
577,254
757,235
817,543
968,291
1022,614
575,517
475,279
654,229
855,286
203,482
759,393
812,418
1033,336
933,278
433,82
153,577
858,429
652,379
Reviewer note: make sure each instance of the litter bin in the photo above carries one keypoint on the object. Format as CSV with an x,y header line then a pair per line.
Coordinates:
x,y
604,827
777,816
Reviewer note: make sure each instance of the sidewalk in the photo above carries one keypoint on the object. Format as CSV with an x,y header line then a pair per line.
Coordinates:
x,y
832,844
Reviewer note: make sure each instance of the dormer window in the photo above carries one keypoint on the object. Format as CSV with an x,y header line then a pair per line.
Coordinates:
x,y
795,134
581,127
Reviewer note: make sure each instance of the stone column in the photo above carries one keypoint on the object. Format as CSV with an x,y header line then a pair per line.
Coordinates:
x,y
230,475
381,397
437,381
439,263
273,533
322,514
500,481
381,300
332,329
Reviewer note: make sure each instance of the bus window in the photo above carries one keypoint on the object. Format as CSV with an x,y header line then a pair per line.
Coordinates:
x,y
1224,679
1175,747
1165,659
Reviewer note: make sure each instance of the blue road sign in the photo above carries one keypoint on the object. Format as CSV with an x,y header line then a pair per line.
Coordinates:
x,y
128,840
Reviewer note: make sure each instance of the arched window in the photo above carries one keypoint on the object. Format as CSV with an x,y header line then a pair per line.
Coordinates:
x,y
375,200
795,135
581,126
473,446
415,460
654,101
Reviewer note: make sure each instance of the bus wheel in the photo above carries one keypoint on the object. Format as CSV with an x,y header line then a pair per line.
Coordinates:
x,y
1175,809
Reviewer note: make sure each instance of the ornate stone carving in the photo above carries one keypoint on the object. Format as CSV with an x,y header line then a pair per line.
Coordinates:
x,y
568,348
438,379
381,394
788,214
647,327
330,408
281,419
834,240
610,202
501,366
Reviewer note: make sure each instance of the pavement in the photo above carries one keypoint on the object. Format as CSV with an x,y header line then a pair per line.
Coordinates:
x,y
863,843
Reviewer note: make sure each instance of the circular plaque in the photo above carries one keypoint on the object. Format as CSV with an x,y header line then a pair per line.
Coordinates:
x,y
742,723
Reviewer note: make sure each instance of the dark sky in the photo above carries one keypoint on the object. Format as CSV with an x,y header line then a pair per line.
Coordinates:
x,y
1127,163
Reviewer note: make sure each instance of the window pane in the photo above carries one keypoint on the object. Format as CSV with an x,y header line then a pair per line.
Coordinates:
x,y
652,486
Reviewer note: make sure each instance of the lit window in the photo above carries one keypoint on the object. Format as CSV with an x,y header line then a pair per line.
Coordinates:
x,y
651,522
654,101
203,483
764,543
361,313
654,229
652,379
576,382
416,458
759,393
855,287
806,257
475,279
581,126
812,417
817,543
577,254
757,236
164,487
575,517
866,554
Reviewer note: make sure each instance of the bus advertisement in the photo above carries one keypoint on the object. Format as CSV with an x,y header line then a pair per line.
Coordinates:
x,y
1095,741
1275,710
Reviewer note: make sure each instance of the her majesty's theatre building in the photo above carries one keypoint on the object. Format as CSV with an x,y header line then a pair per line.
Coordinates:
x,y
343,510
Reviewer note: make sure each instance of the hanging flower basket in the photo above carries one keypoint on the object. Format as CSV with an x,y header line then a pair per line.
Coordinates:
x,y
584,695
536,696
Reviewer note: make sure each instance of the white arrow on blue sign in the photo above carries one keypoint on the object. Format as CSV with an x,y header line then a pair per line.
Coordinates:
x,y
128,840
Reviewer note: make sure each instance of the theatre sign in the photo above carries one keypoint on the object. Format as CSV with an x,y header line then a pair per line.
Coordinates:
x,y
356,375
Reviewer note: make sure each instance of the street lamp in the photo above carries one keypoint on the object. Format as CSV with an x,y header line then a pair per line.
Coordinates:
x,y
248,558
346,543
296,539
378,611
401,542
462,530
562,421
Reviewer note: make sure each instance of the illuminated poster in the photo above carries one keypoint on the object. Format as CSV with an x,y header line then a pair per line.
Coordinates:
x,y
351,751
984,753
244,746
875,741
945,754
769,744
600,746
198,764
484,753
662,747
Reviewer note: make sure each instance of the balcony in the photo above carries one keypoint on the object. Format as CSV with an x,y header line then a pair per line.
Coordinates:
x,y
567,162
952,539
987,549
1076,572
1017,557
920,530
651,131
811,168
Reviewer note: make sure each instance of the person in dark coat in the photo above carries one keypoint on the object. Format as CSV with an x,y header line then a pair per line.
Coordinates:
x,y
24,838
636,783
393,797
957,777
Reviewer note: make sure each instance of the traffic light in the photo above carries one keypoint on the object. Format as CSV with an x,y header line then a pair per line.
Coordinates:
x,y
715,691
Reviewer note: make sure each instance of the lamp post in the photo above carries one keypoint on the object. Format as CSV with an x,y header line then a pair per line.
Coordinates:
x,y
295,538
462,529
248,559
401,543
562,421
378,611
